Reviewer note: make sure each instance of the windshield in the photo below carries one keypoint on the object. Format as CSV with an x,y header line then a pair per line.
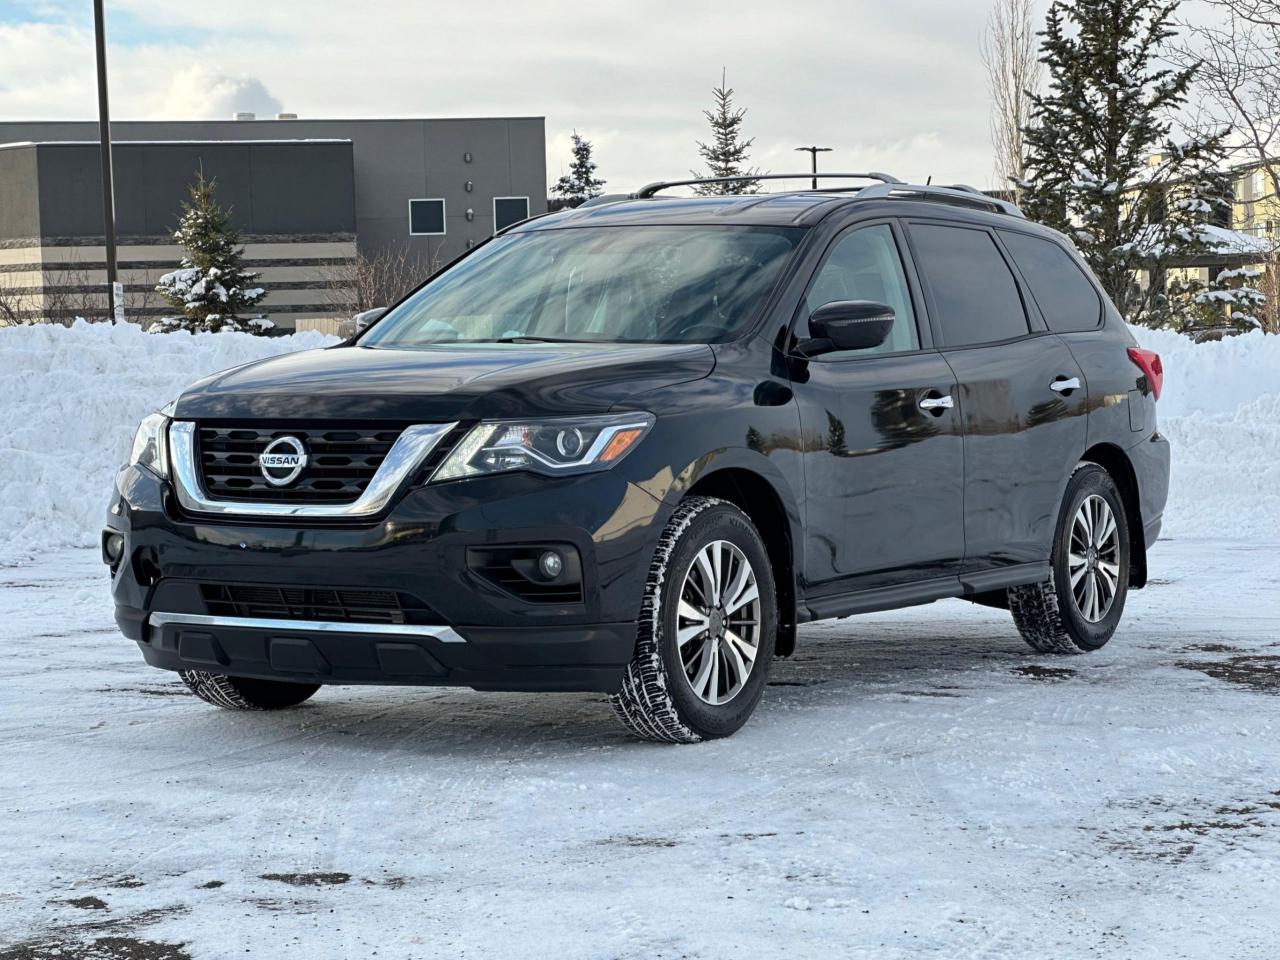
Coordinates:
x,y
597,284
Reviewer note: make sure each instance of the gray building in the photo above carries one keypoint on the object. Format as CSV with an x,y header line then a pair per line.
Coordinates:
x,y
306,195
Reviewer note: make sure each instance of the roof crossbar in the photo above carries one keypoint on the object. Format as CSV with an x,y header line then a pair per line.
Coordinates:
x,y
650,190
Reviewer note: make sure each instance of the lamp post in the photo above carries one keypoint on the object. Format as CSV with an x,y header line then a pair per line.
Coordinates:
x,y
813,153
108,186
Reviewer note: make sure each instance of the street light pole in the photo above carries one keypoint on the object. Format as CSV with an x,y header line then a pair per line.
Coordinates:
x,y
104,137
813,153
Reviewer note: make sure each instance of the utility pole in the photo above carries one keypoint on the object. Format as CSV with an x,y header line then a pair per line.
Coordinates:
x,y
116,308
813,153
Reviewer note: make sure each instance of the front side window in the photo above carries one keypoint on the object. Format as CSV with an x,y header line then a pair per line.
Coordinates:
x,y
974,292
658,284
865,265
1065,296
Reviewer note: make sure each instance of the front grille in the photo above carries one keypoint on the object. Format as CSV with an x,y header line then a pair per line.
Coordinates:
x,y
336,604
340,462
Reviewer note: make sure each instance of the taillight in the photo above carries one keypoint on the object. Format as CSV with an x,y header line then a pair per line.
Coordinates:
x,y
1148,361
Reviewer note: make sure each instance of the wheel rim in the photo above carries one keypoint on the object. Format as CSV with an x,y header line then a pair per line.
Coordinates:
x,y
1093,560
718,622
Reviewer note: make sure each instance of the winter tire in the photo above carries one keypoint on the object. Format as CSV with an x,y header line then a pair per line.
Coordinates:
x,y
243,693
1079,607
707,628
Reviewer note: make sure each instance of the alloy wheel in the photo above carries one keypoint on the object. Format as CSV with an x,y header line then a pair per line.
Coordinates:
x,y
1093,560
718,622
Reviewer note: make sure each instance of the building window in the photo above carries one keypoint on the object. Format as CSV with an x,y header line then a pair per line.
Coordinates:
x,y
426,218
509,210
1259,184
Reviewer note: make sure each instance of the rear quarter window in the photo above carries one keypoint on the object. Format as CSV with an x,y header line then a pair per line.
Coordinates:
x,y
1064,294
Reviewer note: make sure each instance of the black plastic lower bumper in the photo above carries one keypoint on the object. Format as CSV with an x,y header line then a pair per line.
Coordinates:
x,y
567,658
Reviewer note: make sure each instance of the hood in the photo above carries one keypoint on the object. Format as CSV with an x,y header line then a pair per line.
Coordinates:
x,y
443,383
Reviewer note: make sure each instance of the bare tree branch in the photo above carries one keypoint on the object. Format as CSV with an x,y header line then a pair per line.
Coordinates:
x,y
377,279
1238,86
1010,55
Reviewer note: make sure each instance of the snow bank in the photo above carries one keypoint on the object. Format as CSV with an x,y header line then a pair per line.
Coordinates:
x,y
1221,411
70,399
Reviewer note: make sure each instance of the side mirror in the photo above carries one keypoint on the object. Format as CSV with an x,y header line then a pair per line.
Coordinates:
x,y
359,323
848,325
362,320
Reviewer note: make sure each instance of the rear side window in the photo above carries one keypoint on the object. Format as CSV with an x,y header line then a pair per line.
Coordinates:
x,y
974,293
1062,291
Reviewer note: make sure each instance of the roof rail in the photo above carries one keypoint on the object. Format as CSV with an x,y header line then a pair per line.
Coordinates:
x,y
649,190
959,194
604,198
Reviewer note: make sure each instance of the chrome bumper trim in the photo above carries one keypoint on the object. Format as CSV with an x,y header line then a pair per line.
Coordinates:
x,y
442,634
405,456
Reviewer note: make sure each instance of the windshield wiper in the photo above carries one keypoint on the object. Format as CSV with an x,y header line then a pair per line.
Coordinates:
x,y
524,338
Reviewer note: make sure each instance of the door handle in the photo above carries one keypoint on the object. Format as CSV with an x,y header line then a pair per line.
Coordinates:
x,y
1065,386
937,403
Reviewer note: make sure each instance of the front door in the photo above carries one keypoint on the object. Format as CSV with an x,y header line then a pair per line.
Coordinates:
x,y
1022,397
883,474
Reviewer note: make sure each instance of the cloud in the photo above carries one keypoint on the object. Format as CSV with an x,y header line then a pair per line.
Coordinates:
x,y
30,87
201,92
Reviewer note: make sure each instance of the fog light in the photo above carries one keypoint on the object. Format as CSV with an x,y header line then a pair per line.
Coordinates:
x,y
551,564
112,548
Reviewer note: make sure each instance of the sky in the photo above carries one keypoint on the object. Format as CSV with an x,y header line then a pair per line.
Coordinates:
x,y
894,86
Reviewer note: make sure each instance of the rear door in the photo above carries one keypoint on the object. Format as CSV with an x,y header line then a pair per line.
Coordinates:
x,y
1021,395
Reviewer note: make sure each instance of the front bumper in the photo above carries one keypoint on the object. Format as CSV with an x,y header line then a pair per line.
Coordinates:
x,y
480,635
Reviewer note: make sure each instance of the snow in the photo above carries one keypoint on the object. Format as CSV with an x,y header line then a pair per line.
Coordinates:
x,y
1227,241
1219,240
72,398
1220,410
914,784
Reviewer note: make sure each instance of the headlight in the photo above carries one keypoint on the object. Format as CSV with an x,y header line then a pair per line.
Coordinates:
x,y
554,447
151,445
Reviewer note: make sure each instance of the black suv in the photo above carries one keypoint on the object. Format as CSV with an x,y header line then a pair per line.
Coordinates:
x,y
628,448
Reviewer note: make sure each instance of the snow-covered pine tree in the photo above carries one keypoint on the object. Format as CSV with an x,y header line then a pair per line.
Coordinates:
x,y
727,153
580,184
211,286
1229,300
1103,164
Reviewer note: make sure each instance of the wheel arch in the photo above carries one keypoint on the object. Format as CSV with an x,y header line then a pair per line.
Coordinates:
x,y
755,496
1117,464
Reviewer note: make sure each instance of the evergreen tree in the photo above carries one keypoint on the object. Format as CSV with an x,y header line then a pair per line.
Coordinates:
x,y
1102,163
580,184
1227,300
727,153
211,286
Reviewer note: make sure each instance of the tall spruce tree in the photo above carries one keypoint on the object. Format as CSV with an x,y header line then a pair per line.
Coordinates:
x,y
1103,164
727,153
211,286
580,184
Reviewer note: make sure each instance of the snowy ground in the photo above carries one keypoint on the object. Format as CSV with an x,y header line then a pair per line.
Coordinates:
x,y
915,783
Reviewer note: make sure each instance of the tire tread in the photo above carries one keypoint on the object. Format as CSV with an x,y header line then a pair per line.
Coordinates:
x,y
644,704
224,691
1036,607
